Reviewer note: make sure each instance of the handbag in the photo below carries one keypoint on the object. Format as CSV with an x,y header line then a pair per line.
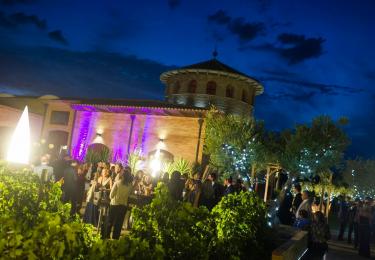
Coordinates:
x,y
97,197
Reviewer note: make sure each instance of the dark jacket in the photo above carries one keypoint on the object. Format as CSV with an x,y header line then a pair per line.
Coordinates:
x,y
296,202
218,192
229,190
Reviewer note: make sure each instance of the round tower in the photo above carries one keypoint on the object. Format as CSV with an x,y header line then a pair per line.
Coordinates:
x,y
212,83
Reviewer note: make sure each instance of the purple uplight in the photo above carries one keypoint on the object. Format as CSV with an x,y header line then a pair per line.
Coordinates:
x,y
83,134
119,145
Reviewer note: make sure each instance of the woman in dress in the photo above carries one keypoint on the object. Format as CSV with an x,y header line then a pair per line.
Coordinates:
x,y
319,235
92,212
119,202
105,180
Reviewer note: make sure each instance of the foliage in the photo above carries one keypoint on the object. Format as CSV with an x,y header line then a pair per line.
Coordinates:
x,y
125,248
232,142
316,148
182,231
133,160
241,226
359,174
35,224
181,165
335,190
97,153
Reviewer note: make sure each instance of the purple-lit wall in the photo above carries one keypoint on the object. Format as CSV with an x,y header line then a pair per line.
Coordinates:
x,y
180,134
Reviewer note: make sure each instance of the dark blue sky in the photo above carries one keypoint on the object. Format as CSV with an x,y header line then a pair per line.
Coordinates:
x,y
313,57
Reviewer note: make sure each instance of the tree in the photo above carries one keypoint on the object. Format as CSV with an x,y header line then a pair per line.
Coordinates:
x,y
232,142
315,149
359,174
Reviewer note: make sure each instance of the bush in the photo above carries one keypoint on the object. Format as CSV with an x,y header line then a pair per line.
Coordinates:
x,y
184,232
35,224
127,247
241,228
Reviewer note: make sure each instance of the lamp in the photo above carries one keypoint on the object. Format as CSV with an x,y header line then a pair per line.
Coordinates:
x,y
19,148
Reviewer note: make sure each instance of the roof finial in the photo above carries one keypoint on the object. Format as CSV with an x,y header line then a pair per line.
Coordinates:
x,y
215,53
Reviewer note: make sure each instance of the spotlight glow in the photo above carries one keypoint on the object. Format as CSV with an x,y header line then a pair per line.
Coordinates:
x,y
19,148
155,164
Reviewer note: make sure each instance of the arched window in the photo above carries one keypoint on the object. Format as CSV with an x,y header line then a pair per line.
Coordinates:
x,y
192,88
177,87
244,96
211,88
229,91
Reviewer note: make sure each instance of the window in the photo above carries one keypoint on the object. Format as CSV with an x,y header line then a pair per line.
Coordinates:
x,y
177,87
59,117
211,88
229,92
192,88
244,96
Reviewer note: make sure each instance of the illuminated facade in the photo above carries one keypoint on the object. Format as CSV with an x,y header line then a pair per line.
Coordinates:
x,y
128,125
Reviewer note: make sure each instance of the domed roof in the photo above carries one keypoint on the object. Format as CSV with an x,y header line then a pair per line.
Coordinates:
x,y
213,66
49,97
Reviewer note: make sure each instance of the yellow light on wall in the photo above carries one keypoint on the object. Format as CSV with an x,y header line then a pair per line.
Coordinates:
x,y
19,147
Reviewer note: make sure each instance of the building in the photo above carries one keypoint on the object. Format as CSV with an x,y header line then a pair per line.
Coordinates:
x,y
176,125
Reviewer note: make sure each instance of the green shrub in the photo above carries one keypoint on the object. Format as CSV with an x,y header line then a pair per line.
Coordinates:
x,y
181,165
241,228
184,232
126,247
35,224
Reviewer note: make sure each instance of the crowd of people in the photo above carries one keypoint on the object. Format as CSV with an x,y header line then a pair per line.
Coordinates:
x,y
304,211
106,189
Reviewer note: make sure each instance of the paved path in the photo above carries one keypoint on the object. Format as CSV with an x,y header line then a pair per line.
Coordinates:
x,y
341,250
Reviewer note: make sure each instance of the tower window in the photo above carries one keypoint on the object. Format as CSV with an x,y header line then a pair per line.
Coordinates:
x,y
192,88
244,96
211,88
177,87
229,92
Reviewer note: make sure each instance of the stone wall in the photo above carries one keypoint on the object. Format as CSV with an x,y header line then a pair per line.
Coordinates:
x,y
180,134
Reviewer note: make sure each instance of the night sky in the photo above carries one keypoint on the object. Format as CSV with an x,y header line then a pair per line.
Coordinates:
x,y
313,57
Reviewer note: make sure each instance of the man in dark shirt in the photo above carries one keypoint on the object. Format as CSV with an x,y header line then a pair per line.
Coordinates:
x,y
343,217
70,186
218,188
297,200
229,188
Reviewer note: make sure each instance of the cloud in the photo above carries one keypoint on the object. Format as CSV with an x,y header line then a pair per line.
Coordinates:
x,y
19,19
58,37
293,48
220,17
243,30
302,96
327,89
65,73
14,2
302,48
173,4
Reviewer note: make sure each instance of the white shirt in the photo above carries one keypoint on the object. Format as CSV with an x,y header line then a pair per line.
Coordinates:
x,y
39,170
305,205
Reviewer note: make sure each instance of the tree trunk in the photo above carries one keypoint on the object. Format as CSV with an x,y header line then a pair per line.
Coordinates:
x,y
252,179
267,182
321,199
329,198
